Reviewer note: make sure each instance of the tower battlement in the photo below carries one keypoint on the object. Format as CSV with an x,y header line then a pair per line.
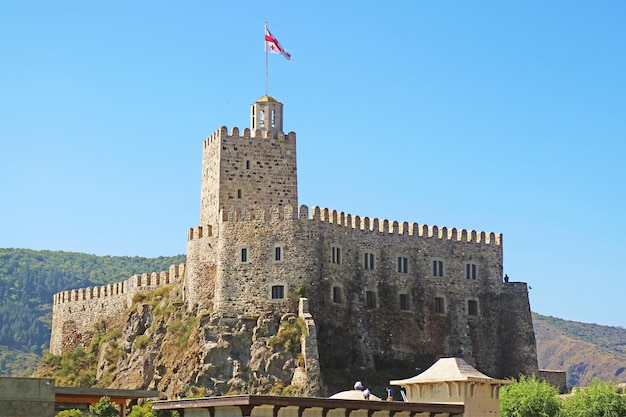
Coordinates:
x,y
246,133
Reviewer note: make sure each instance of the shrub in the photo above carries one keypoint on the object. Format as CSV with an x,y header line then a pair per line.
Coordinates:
x,y
529,397
600,399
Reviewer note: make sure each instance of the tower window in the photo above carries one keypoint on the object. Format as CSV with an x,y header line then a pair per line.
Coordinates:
x,y
368,261
370,299
403,264
337,296
261,116
472,307
247,164
273,118
335,256
440,305
238,193
470,271
437,268
244,254
404,302
278,292
278,253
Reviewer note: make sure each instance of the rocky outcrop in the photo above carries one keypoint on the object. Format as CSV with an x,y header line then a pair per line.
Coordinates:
x,y
161,346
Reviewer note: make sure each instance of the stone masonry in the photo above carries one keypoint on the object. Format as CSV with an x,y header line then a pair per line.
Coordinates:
x,y
380,292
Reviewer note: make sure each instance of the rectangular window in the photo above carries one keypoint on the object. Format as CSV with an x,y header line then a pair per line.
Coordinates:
x,y
437,268
337,298
244,254
368,261
336,255
370,299
404,302
440,305
247,164
273,118
472,307
261,116
278,292
238,193
278,253
403,264
470,271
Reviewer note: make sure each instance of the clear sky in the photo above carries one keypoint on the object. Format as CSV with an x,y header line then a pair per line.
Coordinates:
x,y
504,117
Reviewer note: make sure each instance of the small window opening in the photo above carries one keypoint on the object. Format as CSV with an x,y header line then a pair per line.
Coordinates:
x,y
440,305
337,296
278,253
370,299
278,292
472,307
404,302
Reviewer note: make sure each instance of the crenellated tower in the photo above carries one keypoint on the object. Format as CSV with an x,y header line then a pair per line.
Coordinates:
x,y
251,170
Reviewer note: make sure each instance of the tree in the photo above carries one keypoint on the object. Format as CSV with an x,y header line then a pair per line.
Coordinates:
x,y
529,397
104,408
600,399
70,413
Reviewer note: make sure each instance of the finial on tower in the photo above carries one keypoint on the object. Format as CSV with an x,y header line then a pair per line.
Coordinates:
x,y
266,114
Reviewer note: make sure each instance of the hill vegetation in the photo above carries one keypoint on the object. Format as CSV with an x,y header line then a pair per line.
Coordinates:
x,y
585,351
28,280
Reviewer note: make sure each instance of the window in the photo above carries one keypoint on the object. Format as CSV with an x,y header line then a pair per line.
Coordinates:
x,y
335,254
337,296
278,253
403,264
273,118
247,164
440,305
470,271
370,299
238,193
261,121
278,292
244,253
368,261
404,302
472,307
437,268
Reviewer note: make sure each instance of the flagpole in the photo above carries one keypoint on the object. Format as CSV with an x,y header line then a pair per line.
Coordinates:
x,y
266,60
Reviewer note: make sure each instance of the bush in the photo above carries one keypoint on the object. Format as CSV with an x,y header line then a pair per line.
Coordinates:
x,y
70,413
529,397
600,399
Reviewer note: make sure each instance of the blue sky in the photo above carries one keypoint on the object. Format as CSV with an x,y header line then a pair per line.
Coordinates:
x,y
494,116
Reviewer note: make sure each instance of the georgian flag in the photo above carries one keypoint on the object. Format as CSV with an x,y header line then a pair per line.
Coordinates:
x,y
272,45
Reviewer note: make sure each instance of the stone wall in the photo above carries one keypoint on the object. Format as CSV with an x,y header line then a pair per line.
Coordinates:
x,y
256,169
365,316
76,312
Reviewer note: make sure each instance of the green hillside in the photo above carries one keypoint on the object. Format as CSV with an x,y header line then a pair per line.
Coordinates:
x,y
28,280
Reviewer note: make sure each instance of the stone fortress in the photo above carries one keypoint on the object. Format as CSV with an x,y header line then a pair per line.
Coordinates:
x,y
382,293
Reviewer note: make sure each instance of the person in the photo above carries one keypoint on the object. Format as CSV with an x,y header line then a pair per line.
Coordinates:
x,y
506,278
389,394
366,394
358,385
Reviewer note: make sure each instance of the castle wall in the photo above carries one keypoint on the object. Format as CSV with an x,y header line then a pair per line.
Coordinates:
x,y
76,312
399,318
199,281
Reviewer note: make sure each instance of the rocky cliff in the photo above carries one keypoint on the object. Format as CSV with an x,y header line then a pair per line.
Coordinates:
x,y
159,345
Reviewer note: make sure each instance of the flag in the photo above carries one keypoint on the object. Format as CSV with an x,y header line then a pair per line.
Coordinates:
x,y
272,45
